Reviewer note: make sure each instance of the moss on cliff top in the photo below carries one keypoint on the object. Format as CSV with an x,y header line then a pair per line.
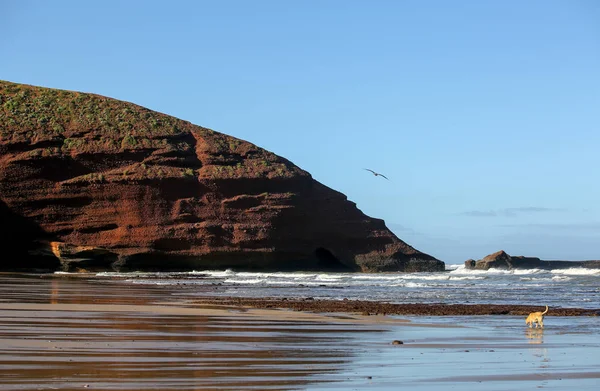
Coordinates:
x,y
43,122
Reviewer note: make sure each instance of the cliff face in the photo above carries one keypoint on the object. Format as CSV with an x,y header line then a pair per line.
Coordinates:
x,y
97,183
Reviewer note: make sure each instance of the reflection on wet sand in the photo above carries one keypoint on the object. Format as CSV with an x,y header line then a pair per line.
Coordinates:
x,y
535,335
68,333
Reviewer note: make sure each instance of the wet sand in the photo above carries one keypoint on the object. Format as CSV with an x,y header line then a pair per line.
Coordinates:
x,y
86,333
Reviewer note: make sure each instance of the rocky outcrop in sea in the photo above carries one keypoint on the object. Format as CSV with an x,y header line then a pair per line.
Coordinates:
x,y
501,260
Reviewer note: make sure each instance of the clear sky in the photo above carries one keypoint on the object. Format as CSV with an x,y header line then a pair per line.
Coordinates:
x,y
484,115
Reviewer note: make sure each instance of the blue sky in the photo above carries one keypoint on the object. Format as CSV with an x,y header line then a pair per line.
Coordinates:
x,y
484,115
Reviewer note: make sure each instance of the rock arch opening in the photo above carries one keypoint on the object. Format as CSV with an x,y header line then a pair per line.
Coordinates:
x,y
327,261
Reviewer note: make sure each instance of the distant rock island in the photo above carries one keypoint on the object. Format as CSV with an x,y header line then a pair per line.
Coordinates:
x,y
501,260
93,183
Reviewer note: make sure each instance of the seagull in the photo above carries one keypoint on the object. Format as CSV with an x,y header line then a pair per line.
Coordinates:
x,y
377,174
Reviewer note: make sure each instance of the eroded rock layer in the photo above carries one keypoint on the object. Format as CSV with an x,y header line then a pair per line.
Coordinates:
x,y
89,182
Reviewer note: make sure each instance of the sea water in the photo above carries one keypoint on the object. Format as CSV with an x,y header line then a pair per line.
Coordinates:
x,y
575,287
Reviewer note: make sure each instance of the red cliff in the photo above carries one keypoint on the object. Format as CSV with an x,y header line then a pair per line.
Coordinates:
x,y
91,182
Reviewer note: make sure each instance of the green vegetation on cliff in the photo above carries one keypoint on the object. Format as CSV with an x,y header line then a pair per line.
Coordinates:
x,y
47,122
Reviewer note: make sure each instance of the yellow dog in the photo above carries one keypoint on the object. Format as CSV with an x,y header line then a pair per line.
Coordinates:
x,y
537,318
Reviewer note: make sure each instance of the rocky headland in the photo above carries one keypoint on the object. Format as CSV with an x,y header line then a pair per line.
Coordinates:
x,y
93,183
501,260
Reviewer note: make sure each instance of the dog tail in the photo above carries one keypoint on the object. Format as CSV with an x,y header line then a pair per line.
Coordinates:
x,y
544,313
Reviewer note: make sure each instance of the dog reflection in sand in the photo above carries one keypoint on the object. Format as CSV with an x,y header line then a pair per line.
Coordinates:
x,y
536,318
535,336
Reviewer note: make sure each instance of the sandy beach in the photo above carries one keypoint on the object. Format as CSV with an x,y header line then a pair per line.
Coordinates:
x,y
84,333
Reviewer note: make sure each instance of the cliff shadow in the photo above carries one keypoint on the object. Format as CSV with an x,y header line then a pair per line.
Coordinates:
x,y
18,236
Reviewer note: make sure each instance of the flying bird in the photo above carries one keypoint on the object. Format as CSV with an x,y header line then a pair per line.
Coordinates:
x,y
377,174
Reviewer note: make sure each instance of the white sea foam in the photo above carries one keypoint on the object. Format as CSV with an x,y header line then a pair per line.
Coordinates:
x,y
577,271
276,275
496,271
328,277
441,277
127,275
253,274
375,277
302,283
103,274
425,277
245,281
454,267
411,284
416,285
196,273
137,281
463,271
561,278
519,272
217,273
282,282
456,278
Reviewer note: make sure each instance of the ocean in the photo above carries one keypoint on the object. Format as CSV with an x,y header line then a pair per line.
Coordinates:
x,y
575,287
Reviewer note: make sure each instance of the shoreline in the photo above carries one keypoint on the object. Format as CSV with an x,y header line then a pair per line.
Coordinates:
x,y
343,306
